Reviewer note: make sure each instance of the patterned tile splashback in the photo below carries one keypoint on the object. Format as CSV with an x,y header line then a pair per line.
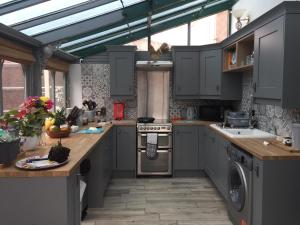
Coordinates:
x,y
95,85
270,118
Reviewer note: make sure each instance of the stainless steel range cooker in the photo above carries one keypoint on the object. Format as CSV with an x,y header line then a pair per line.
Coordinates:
x,y
162,165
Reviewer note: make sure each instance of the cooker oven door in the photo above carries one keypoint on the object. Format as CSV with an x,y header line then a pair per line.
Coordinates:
x,y
162,165
164,140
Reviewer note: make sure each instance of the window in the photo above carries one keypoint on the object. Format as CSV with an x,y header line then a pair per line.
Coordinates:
x,y
54,87
60,90
13,85
209,30
174,36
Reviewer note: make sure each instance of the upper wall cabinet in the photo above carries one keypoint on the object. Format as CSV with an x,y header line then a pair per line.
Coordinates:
x,y
239,56
198,74
210,72
122,64
187,79
276,66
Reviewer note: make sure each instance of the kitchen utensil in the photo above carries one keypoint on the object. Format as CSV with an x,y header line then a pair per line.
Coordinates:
x,y
119,108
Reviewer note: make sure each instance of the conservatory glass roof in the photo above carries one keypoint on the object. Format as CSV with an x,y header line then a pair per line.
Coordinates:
x,y
85,27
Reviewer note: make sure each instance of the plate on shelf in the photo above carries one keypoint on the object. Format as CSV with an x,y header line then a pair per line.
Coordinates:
x,y
38,165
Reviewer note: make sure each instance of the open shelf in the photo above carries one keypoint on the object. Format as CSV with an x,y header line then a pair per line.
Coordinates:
x,y
239,56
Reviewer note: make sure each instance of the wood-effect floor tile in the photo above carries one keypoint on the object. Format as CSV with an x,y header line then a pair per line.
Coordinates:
x,y
167,201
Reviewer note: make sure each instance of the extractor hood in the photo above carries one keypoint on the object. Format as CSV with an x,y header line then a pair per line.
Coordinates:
x,y
154,65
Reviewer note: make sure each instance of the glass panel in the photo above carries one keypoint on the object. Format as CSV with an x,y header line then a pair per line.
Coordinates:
x,y
174,36
177,9
131,2
13,85
142,44
47,84
60,91
77,17
37,10
209,30
91,37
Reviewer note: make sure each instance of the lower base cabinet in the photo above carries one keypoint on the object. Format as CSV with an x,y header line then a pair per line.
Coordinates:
x,y
187,150
99,176
216,160
124,164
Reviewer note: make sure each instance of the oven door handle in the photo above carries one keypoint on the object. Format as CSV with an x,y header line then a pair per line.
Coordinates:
x,y
159,135
159,151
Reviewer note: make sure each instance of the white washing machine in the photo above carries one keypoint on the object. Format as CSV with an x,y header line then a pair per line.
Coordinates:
x,y
240,186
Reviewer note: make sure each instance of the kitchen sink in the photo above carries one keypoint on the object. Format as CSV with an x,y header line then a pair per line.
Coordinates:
x,y
243,132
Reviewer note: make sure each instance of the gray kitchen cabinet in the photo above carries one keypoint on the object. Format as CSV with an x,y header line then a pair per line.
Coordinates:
x,y
185,148
210,154
201,147
122,67
222,165
101,170
210,72
186,74
269,55
276,47
275,192
198,74
125,149
216,160
40,200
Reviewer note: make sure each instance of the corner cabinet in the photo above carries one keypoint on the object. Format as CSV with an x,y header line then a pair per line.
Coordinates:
x,y
122,68
198,74
276,62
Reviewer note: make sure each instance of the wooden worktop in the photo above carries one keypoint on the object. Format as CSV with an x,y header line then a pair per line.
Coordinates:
x,y
80,144
274,151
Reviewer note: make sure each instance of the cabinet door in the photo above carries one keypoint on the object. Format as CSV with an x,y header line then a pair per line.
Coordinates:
x,y
268,60
201,147
126,148
222,165
187,79
96,176
257,192
210,72
211,149
186,148
122,73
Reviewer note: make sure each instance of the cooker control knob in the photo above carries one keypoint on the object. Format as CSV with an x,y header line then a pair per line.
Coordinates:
x,y
151,128
158,128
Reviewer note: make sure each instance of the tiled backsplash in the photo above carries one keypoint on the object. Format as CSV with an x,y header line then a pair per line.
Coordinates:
x,y
95,85
269,116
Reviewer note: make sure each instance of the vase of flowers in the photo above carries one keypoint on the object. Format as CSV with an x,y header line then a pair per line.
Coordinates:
x,y
29,119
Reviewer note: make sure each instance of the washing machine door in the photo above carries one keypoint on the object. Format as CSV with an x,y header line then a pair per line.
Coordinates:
x,y
237,186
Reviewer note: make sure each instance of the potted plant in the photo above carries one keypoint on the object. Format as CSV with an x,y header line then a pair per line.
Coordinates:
x,y
9,147
56,126
29,119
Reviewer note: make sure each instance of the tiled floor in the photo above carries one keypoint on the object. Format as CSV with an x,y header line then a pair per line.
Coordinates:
x,y
184,201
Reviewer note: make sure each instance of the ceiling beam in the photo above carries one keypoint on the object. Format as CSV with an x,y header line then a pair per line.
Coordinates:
x,y
106,21
155,29
59,14
17,5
